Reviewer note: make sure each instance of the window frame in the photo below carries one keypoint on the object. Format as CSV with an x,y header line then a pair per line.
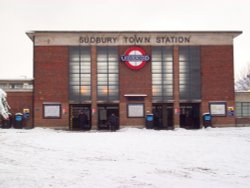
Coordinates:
x,y
109,62
162,77
80,68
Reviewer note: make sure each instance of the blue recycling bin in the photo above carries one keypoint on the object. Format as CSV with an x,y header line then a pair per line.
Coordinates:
x,y
150,121
207,120
18,121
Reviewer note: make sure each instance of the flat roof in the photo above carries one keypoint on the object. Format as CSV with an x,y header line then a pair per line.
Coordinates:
x,y
234,33
16,80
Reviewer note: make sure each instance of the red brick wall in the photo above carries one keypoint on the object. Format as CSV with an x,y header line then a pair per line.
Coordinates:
x,y
19,101
243,121
51,82
217,75
134,82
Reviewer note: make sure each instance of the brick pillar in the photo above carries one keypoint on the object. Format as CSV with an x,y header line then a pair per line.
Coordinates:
x,y
94,87
176,88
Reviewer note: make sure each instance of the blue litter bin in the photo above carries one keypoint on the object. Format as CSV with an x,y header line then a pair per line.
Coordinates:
x,y
18,121
150,121
207,120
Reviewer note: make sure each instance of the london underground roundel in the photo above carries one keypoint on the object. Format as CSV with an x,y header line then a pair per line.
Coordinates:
x,y
135,58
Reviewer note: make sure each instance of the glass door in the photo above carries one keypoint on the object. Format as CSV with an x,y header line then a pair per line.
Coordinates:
x,y
104,112
80,117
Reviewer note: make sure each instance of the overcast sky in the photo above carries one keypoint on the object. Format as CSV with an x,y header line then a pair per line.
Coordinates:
x,y
19,16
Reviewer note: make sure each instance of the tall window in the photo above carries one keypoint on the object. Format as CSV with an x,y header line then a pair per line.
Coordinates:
x,y
107,74
162,73
189,62
79,74
243,109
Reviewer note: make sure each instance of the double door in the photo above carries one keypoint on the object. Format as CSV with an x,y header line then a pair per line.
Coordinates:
x,y
190,115
80,117
163,116
104,113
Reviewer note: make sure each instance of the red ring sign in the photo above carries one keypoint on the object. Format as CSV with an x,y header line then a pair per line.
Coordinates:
x,y
135,58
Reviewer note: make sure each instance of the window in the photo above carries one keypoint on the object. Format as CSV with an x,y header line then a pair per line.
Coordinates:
x,y
189,66
162,73
243,109
79,74
107,74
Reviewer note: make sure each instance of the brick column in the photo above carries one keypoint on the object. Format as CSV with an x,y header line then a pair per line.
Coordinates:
x,y
94,87
176,88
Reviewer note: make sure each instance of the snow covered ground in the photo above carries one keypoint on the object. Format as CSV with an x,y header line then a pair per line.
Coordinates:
x,y
206,158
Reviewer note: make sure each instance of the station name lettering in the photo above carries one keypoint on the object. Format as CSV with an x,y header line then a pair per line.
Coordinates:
x,y
135,40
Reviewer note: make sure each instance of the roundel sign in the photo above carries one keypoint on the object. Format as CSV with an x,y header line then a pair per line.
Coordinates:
x,y
135,58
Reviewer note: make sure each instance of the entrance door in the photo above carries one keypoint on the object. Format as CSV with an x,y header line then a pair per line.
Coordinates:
x,y
163,116
190,115
104,111
75,120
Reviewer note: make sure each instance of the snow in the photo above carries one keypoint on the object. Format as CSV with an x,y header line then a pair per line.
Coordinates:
x,y
130,157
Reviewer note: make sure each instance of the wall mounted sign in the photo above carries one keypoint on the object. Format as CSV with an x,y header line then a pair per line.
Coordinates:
x,y
51,111
135,110
135,58
217,108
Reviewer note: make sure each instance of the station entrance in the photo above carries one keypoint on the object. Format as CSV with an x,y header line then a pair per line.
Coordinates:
x,y
79,117
104,112
190,115
163,116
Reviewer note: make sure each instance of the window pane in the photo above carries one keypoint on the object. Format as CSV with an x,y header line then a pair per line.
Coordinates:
x,y
113,68
102,67
157,90
85,54
168,56
156,67
167,67
102,90
74,79
113,57
113,79
85,90
157,79
113,91
156,54
74,68
101,54
85,79
102,79
168,77
85,67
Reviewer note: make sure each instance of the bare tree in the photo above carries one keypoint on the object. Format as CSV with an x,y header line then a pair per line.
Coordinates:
x,y
243,79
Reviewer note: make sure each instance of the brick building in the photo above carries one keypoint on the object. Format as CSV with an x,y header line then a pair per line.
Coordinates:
x,y
177,76
242,108
20,97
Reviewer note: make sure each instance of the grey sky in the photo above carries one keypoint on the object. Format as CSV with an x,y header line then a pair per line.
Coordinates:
x,y
19,16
